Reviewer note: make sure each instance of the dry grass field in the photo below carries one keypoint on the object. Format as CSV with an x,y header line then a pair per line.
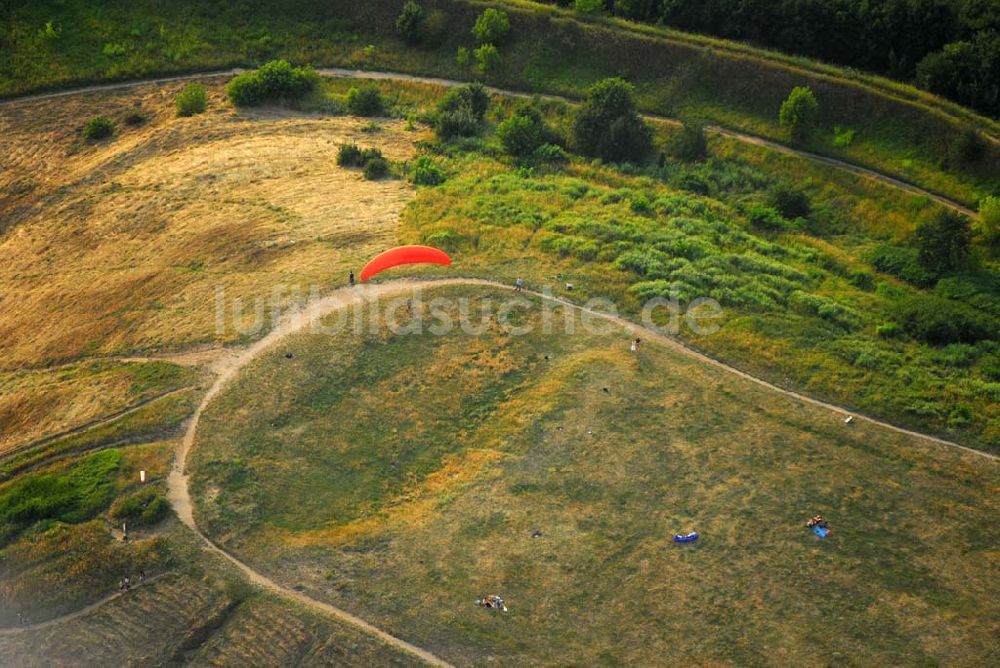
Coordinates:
x,y
118,246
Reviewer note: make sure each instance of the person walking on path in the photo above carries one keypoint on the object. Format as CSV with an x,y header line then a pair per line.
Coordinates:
x,y
350,278
519,284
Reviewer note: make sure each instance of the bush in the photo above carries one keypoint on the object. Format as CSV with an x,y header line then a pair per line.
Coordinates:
x,y
98,127
589,7
191,100
690,144
791,202
766,218
941,321
607,126
889,330
426,172
900,262
349,155
461,111
522,133
799,112
365,101
989,214
968,148
491,27
376,168
487,58
368,155
462,57
410,22
551,153
275,81
145,507
135,118
943,243
862,280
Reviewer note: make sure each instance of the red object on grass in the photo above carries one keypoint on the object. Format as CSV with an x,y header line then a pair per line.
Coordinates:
x,y
403,255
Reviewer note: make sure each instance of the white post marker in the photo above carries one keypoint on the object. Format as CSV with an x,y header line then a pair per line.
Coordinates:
x,y
142,475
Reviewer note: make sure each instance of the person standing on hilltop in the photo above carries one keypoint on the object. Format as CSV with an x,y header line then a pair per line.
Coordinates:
x,y
350,278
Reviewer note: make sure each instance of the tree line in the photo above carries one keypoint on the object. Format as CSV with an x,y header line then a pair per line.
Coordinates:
x,y
950,47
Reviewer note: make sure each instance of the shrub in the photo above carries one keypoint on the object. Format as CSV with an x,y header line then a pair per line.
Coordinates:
x,y
607,126
461,111
275,81
135,118
989,214
144,507
365,101
426,172
551,153
799,112
375,168
522,133
941,321
368,155
889,330
487,58
589,7
410,22
968,148
690,144
766,218
862,280
191,100
349,155
462,57
98,127
791,202
492,26
843,137
943,243
900,262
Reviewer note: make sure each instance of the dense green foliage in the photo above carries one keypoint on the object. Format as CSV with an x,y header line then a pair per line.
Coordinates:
x,y
144,507
690,143
608,126
989,214
523,132
275,81
460,112
365,101
375,168
487,58
799,112
943,243
426,172
951,47
98,127
409,23
941,321
492,26
73,495
191,100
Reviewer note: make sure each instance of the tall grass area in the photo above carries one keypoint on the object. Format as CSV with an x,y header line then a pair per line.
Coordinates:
x,y
557,478
908,135
805,306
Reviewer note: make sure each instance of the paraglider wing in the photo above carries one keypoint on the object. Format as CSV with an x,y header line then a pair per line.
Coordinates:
x,y
403,255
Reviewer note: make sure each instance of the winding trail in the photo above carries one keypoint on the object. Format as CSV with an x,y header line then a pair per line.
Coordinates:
x,y
177,482
447,83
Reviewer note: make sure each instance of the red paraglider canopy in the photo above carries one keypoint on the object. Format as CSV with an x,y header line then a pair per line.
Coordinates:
x,y
403,255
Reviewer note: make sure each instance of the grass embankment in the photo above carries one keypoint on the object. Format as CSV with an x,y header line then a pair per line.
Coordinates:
x,y
363,475
898,131
37,403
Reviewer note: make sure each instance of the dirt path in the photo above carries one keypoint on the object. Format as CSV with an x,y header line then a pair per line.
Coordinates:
x,y
435,81
78,613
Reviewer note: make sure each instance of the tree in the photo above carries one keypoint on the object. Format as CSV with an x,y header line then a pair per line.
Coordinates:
x,y
607,126
799,112
522,133
989,213
943,242
492,26
410,22
487,58
690,144
461,111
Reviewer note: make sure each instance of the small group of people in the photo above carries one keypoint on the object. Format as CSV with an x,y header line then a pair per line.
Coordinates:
x,y
127,581
492,602
817,521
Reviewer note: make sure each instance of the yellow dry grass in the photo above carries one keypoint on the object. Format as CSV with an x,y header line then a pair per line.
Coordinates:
x,y
120,245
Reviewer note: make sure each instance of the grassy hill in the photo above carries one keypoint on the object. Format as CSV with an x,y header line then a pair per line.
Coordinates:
x,y
895,129
557,477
